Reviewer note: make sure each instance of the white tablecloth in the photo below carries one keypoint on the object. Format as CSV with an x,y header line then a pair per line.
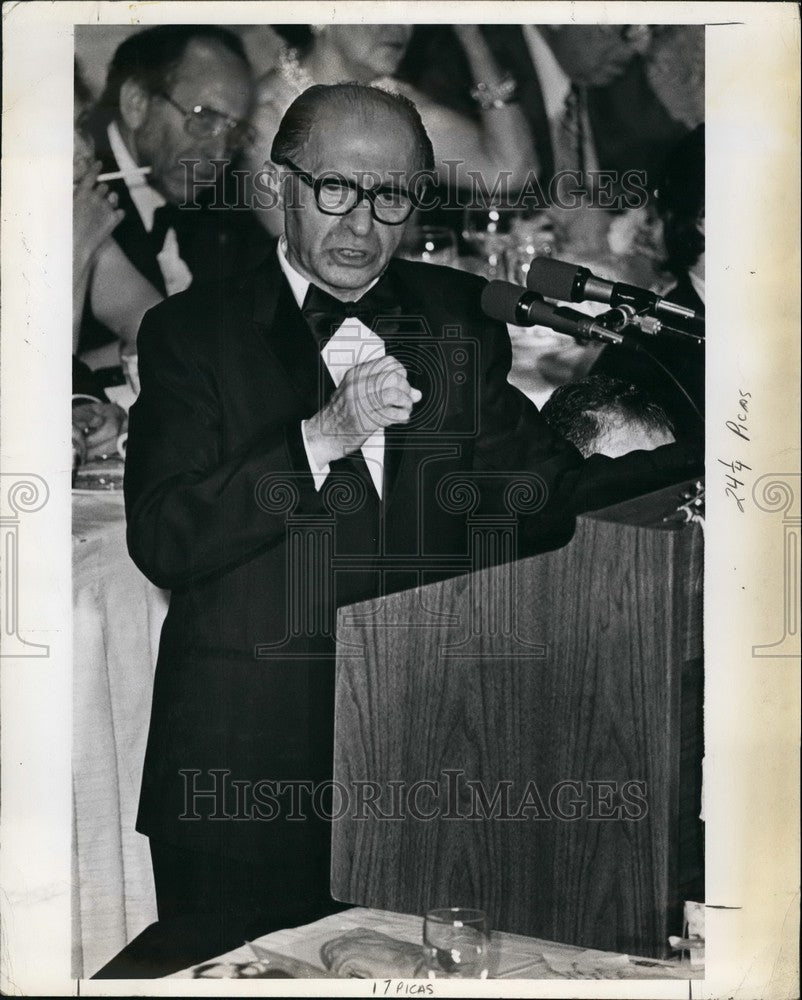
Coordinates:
x,y
117,619
513,957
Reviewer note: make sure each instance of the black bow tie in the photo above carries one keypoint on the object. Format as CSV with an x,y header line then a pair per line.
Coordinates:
x,y
325,314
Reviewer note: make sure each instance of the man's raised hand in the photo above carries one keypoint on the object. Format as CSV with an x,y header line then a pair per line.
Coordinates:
x,y
372,395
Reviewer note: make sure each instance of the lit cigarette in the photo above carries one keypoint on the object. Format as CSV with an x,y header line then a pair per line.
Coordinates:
x,y
117,175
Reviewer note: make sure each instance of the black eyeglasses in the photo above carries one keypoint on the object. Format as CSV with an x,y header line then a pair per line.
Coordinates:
x,y
206,123
337,195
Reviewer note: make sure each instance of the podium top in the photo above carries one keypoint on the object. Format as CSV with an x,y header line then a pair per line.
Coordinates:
x,y
663,509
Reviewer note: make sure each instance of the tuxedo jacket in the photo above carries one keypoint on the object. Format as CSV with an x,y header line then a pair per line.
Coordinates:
x,y
223,511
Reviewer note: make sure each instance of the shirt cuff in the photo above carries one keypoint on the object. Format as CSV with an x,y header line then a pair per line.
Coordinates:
x,y
319,472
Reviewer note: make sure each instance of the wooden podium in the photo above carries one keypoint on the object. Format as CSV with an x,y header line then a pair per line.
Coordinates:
x,y
528,738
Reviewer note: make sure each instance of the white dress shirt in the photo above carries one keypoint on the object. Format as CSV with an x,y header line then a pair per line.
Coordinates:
x,y
352,344
177,276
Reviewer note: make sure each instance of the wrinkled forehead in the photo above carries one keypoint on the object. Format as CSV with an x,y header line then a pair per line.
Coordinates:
x,y
361,141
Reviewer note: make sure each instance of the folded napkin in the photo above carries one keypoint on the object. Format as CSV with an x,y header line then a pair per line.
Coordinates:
x,y
589,964
366,954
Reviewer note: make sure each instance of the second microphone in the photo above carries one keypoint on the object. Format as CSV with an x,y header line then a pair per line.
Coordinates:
x,y
510,303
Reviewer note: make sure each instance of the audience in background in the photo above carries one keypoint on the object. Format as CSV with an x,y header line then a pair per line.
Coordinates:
x,y
106,285
626,123
493,140
120,299
185,93
681,204
675,68
600,415
94,210
589,100
177,99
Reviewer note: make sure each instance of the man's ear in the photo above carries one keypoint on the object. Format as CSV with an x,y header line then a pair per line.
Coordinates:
x,y
273,180
134,103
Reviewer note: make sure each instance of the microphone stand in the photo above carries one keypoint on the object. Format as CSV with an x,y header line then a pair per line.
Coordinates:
x,y
627,316
621,317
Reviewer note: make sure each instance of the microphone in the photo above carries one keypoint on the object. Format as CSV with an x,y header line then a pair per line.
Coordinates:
x,y
510,303
557,279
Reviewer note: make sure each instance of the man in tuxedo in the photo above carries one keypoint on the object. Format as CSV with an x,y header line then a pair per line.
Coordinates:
x,y
306,437
176,101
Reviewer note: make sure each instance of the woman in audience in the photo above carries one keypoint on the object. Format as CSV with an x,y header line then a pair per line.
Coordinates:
x,y
497,142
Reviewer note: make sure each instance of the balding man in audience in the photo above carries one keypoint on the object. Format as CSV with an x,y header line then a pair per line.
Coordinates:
x,y
601,415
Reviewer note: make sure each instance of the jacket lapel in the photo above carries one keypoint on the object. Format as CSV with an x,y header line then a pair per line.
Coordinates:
x,y
278,318
409,342
289,339
133,238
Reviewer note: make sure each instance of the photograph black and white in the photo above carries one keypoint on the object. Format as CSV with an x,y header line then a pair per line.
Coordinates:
x,y
395,447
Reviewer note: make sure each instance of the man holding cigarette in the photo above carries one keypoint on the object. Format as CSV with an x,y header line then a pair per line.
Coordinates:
x,y
171,118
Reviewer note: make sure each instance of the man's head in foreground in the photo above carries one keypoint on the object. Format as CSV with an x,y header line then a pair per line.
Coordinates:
x,y
347,158
600,415
179,93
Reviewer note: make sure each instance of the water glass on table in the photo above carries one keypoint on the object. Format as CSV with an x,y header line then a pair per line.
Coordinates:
x,y
507,238
488,233
456,942
430,244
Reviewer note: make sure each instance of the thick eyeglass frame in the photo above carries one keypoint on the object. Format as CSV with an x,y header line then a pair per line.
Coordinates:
x,y
316,183
207,123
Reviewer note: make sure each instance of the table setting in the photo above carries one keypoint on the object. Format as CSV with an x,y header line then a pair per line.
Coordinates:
x,y
446,943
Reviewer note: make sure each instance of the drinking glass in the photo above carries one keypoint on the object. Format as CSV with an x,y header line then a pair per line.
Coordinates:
x,y
456,942
507,238
488,231
431,244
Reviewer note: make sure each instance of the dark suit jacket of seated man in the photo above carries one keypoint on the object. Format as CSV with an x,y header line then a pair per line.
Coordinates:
x,y
237,408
